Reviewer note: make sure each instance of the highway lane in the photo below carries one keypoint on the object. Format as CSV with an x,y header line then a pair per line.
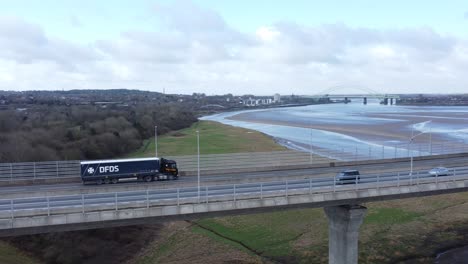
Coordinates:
x,y
420,167
176,195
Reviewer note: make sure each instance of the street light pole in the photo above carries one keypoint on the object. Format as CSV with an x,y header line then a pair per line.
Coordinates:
x,y
411,141
411,151
311,157
430,141
156,141
198,163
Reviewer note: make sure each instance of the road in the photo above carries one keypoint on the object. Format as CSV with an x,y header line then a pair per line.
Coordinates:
x,y
420,167
207,192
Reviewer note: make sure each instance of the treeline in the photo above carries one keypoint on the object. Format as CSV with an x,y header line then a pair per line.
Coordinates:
x,y
56,132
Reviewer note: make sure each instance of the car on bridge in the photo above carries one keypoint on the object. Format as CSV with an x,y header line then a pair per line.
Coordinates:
x,y
348,177
439,171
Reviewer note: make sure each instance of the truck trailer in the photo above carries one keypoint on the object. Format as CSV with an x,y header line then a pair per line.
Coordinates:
x,y
143,169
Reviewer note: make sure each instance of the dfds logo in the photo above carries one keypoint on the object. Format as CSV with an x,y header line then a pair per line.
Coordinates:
x,y
104,169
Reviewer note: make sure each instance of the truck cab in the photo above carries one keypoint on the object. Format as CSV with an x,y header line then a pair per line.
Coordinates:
x,y
169,167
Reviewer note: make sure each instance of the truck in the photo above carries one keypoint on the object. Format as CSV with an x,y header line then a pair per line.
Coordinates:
x,y
142,169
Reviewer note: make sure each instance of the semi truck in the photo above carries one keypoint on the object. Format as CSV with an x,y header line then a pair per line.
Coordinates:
x,y
142,169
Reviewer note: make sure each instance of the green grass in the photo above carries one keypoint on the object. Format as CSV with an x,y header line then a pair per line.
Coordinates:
x,y
202,231
11,255
272,234
384,216
215,138
161,250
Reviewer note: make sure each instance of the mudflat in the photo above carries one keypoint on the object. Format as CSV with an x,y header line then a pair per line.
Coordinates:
x,y
396,130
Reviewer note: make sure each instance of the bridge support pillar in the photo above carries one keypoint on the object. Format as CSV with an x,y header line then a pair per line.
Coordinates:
x,y
365,100
391,101
346,100
344,222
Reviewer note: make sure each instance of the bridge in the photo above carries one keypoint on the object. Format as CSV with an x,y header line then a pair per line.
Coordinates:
x,y
387,99
31,202
363,93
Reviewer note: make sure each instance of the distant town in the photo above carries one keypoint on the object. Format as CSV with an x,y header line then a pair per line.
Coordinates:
x,y
121,98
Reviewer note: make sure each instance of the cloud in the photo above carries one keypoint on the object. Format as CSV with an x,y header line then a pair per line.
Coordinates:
x,y
185,16
26,43
195,50
75,22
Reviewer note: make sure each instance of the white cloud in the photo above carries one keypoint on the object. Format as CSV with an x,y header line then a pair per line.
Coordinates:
x,y
197,51
383,52
267,33
75,22
26,43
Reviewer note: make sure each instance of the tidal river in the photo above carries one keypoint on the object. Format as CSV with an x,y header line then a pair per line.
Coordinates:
x,y
367,128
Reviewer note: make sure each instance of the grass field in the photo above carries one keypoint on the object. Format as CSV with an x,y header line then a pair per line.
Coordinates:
x,y
215,138
400,231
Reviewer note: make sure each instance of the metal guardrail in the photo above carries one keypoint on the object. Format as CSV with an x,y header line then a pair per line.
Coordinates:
x,y
316,156
84,203
11,172
32,171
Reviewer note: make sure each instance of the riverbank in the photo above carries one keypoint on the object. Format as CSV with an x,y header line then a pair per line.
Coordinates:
x,y
215,138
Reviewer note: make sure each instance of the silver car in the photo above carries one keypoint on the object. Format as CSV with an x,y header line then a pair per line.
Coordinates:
x,y
348,177
439,171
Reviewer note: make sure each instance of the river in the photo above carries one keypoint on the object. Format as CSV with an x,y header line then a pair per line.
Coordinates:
x,y
357,126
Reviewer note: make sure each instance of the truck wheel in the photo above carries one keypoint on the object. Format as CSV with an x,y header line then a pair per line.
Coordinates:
x,y
106,181
147,178
115,180
98,182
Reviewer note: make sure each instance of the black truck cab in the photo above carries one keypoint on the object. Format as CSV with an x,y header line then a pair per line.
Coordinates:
x,y
169,167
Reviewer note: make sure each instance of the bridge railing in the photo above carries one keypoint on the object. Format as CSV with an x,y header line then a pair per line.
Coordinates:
x,y
37,171
115,201
11,172
316,155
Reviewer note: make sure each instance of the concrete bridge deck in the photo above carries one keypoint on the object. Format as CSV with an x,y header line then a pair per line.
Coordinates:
x,y
58,213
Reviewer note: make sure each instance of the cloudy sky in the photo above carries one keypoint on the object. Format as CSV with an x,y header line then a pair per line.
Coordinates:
x,y
243,46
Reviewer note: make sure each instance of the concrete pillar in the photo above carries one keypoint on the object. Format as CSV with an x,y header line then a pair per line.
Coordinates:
x,y
391,101
346,100
344,222
365,100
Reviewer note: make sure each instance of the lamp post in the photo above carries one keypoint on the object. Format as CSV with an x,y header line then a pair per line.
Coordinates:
x,y
156,141
311,150
411,141
198,163
430,141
